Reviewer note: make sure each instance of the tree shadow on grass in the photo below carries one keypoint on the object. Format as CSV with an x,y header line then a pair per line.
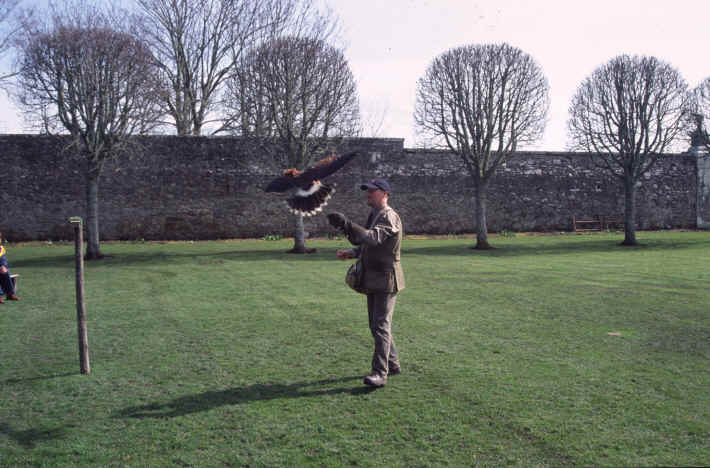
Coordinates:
x,y
545,247
30,437
139,258
39,377
218,257
235,396
560,245
58,261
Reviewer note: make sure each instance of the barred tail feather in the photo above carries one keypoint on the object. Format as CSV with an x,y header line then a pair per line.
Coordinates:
x,y
312,202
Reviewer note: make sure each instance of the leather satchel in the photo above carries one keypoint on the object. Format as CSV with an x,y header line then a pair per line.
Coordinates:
x,y
353,277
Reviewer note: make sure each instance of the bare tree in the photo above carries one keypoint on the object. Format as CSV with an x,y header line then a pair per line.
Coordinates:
x,y
300,93
197,43
373,121
627,113
85,74
8,29
482,102
699,113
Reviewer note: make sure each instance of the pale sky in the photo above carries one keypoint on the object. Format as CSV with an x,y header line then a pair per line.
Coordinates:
x,y
390,43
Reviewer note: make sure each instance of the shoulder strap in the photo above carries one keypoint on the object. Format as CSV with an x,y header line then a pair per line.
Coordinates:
x,y
377,218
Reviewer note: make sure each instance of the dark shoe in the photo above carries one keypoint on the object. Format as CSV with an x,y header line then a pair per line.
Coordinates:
x,y
375,380
12,297
394,371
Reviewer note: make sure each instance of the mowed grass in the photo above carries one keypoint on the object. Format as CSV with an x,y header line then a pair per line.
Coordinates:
x,y
238,354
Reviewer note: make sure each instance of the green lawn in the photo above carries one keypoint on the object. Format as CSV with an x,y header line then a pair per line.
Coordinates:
x,y
235,354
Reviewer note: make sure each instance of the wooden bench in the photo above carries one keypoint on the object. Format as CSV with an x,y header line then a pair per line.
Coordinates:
x,y
613,222
584,225
15,279
597,223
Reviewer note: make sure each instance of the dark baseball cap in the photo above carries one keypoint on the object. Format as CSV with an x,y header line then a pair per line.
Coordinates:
x,y
376,184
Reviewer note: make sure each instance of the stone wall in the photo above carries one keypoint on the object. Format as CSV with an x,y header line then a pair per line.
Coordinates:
x,y
207,188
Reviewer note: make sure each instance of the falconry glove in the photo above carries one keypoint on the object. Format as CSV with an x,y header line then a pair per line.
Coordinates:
x,y
356,233
337,220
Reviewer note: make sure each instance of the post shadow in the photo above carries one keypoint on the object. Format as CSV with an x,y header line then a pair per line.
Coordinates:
x,y
30,437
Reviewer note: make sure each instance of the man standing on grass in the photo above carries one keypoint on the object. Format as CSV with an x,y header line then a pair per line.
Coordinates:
x,y
378,247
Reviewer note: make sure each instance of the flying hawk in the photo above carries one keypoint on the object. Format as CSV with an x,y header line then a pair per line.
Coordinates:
x,y
309,193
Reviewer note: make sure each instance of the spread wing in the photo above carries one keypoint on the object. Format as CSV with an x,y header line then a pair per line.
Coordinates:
x,y
292,178
281,183
325,167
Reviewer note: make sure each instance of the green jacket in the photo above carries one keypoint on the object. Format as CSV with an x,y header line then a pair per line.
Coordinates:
x,y
379,252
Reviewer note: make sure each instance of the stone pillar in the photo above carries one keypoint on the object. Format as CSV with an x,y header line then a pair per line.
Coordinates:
x,y
702,207
699,144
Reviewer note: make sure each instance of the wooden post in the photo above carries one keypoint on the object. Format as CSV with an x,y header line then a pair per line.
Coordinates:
x,y
80,303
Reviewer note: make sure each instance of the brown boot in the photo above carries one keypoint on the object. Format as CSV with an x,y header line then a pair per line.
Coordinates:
x,y
394,370
375,380
12,297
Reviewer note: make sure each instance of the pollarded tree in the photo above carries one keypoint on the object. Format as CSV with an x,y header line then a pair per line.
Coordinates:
x,y
8,29
300,93
482,102
85,74
197,44
700,114
626,114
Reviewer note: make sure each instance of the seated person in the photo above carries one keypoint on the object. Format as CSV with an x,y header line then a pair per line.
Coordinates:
x,y
6,285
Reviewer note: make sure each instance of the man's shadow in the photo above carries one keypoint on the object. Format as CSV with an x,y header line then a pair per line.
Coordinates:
x,y
235,396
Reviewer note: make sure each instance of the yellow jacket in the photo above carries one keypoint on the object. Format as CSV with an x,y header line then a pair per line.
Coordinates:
x,y
2,250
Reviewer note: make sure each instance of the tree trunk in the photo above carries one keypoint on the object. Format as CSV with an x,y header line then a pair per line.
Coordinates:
x,y
299,236
629,212
93,250
183,126
481,216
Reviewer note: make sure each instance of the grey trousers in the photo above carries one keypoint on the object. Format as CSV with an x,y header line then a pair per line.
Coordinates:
x,y
380,307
